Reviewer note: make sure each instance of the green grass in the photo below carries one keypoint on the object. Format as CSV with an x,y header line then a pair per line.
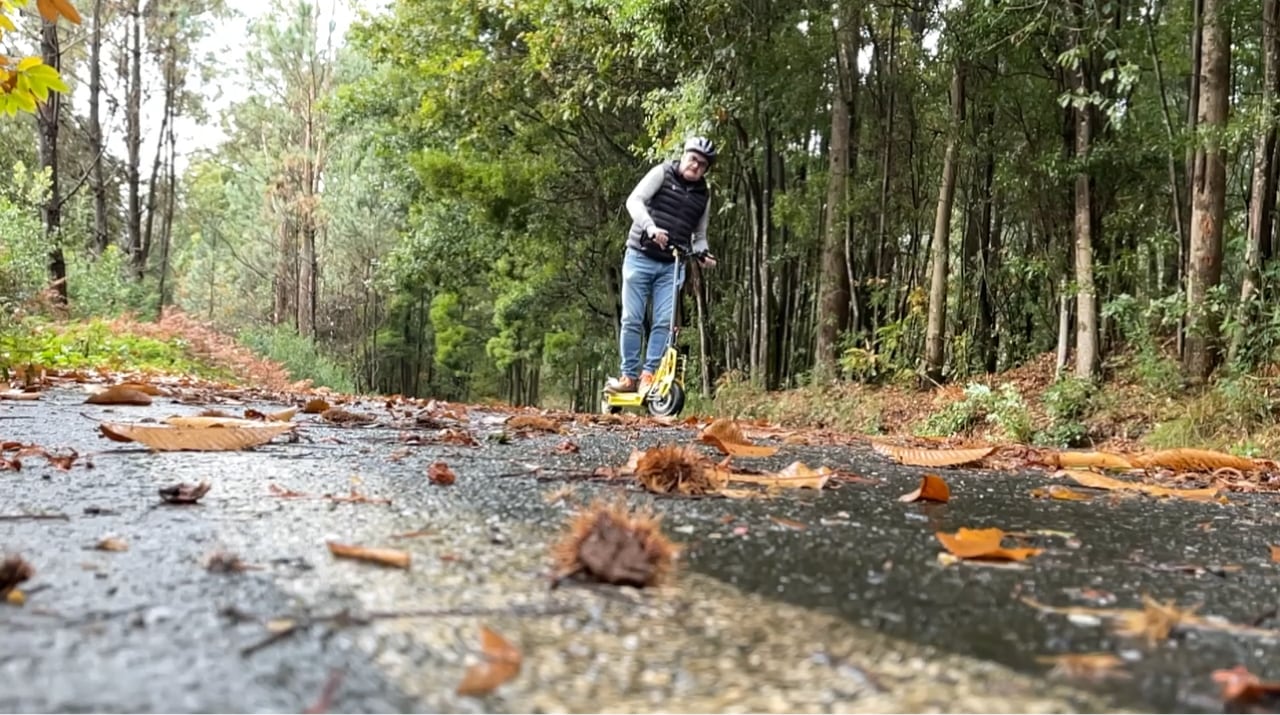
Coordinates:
x,y
95,344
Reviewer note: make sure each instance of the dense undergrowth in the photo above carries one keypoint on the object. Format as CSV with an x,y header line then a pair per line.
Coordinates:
x,y
1140,401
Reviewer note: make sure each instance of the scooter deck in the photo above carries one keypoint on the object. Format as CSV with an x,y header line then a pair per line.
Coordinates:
x,y
625,399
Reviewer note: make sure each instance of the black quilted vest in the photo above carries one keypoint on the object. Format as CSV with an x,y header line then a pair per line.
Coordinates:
x,y
677,207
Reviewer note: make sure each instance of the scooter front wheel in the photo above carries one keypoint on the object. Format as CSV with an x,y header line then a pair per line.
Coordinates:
x,y
608,409
668,405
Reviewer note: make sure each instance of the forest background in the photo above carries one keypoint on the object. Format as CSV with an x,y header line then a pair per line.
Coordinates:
x,y
1043,222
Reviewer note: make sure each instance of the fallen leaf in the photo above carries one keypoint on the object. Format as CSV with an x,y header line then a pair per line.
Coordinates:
x,y
413,534
205,421
982,544
119,395
385,557
184,493
533,423
339,416
1088,460
170,438
1155,620
282,416
20,396
13,571
356,497
1099,481
501,663
1193,460
279,491
459,437
567,447
725,435
921,457
931,488
315,406
1058,491
1240,687
610,544
1275,554
112,543
789,523
226,562
796,475
15,597
440,473
1085,666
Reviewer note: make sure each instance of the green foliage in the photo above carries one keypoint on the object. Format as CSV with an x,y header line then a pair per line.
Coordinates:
x,y
1141,323
22,248
95,344
300,356
1067,402
103,287
1003,408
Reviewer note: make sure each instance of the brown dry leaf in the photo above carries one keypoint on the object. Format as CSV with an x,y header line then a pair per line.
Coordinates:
x,y
169,438
281,416
921,457
725,435
789,523
1242,688
1099,481
533,423
931,488
20,396
1057,491
1088,460
982,544
1275,554
796,475
279,491
671,469
119,395
184,493
204,421
1155,620
1193,460
567,447
384,557
1085,666
413,534
356,497
501,663
339,416
226,562
440,473
315,406
112,543
459,437
610,544
13,571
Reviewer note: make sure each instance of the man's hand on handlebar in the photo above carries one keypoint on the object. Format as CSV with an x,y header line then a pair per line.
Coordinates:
x,y
705,259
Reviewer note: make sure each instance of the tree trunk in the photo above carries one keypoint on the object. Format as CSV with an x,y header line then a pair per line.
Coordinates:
x,y
1263,184
49,117
1188,173
153,183
1208,198
833,280
940,248
171,190
1086,292
133,139
101,236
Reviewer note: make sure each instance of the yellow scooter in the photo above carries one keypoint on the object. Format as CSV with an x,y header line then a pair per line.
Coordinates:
x,y
665,396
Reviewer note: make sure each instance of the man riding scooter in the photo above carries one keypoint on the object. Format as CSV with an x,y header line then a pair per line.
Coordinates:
x,y
669,208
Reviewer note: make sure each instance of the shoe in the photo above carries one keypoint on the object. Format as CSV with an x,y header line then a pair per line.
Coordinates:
x,y
626,383
646,382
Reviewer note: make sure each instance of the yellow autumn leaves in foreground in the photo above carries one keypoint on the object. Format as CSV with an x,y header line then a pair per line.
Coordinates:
x,y
28,80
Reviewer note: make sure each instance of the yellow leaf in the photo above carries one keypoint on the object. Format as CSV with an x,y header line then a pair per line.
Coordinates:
x,y
1088,460
384,557
15,597
29,62
1098,481
1194,460
7,24
931,488
26,101
982,544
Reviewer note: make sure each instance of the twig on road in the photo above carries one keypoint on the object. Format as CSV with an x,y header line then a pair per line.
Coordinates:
x,y
25,517
325,701
345,618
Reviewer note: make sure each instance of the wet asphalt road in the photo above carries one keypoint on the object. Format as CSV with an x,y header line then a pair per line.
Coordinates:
x,y
852,612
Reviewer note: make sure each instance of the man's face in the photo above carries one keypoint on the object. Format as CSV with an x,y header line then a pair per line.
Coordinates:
x,y
693,166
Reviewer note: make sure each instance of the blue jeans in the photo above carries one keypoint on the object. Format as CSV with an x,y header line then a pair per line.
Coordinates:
x,y
643,279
